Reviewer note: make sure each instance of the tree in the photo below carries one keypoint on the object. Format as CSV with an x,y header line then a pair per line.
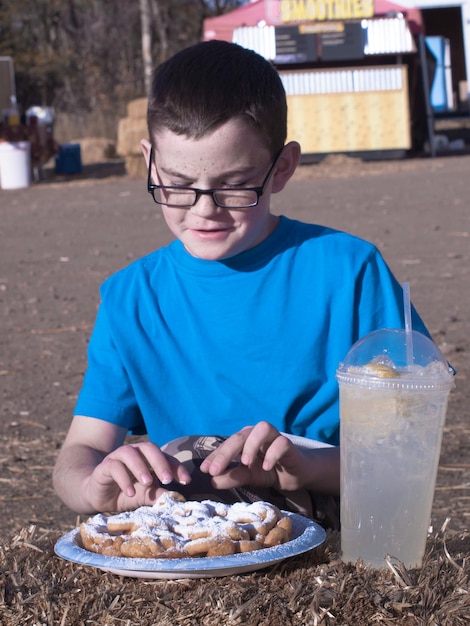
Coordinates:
x,y
146,41
80,56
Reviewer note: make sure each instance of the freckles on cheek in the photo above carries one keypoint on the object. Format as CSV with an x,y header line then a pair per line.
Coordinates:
x,y
173,220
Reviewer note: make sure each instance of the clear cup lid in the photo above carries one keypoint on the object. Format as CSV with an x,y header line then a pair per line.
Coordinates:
x,y
394,358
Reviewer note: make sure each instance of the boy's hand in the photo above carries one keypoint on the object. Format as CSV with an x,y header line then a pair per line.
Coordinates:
x,y
133,475
97,471
262,456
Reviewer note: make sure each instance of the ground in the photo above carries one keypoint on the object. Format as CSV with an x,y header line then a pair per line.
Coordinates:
x,y
61,238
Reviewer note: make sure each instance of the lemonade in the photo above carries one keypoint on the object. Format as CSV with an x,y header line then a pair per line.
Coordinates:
x,y
388,479
392,418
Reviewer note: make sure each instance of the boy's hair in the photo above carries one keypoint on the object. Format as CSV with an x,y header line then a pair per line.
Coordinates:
x,y
205,85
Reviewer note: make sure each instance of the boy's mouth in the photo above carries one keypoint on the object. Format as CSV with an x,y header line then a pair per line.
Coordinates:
x,y
212,228
210,233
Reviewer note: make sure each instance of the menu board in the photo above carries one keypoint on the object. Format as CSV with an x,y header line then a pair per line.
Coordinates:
x,y
295,46
335,41
343,45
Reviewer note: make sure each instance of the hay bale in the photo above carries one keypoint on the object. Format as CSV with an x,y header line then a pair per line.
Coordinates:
x,y
136,167
130,132
96,149
137,109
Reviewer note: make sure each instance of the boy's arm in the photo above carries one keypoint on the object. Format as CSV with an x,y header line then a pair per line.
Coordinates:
x,y
96,472
87,443
322,470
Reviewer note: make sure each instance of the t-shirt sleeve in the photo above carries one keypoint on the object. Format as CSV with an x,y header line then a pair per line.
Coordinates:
x,y
107,392
379,298
370,298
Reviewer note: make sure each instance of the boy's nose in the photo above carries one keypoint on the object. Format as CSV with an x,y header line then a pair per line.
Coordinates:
x,y
205,206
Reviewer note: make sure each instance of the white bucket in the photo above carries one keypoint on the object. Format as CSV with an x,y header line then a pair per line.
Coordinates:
x,y
15,165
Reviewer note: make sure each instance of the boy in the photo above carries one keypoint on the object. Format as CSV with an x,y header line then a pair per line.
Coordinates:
x,y
237,327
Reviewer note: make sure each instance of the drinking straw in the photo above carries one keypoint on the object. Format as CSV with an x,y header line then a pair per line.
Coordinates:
x,y
408,324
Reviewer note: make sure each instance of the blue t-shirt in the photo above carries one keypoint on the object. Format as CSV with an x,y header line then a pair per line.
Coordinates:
x,y
187,346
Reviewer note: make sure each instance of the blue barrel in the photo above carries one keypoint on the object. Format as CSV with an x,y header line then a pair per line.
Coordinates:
x,y
69,159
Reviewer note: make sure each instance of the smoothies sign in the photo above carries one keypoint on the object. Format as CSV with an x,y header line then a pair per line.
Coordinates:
x,y
288,11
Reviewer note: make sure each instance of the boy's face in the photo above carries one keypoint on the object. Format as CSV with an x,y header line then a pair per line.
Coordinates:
x,y
232,156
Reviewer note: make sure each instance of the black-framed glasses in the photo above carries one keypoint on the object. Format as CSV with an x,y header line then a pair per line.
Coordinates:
x,y
226,198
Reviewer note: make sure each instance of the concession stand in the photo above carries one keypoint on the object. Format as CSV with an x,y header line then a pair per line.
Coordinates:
x,y
350,68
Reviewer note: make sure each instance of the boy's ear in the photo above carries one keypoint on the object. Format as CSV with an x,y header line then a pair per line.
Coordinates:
x,y
145,146
286,166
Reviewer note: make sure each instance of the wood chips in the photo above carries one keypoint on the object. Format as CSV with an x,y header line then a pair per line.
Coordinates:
x,y
37,587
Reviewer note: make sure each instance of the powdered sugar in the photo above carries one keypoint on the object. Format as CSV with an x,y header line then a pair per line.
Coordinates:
x,y
185,526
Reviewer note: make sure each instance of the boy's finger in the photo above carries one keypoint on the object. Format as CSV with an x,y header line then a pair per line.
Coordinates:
x,y
118,472
135,463
276,451
258,442
179,471
166,468
141,463
233,478
226,453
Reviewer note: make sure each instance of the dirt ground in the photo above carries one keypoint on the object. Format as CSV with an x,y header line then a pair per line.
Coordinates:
x,y
61,238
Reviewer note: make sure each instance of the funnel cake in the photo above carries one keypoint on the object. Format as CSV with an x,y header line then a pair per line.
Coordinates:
x,y
176,528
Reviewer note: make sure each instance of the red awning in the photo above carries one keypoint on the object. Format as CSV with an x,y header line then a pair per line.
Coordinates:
x,y
222,27
413,16
261,11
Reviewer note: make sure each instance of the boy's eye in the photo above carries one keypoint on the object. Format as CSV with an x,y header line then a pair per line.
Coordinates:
x,y
242,184
186,184
229,186
177,180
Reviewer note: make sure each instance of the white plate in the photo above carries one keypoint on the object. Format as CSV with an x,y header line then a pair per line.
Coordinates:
x,y
307,535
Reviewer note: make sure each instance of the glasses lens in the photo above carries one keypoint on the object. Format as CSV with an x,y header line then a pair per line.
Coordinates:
x,y
175,196
236,198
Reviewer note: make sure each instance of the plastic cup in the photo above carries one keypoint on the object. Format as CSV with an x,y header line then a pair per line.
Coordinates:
x,y
392,417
